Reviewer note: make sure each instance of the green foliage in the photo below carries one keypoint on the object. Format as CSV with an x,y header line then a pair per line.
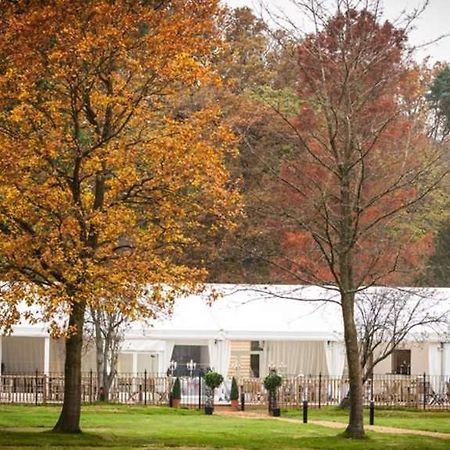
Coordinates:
x,y
439,95
213,379
272,381
285,100
176,389
234,394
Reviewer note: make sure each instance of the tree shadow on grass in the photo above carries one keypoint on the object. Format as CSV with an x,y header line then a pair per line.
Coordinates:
x,y
30,438
48,438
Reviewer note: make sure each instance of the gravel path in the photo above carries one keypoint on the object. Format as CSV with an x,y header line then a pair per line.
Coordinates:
x,y
330,424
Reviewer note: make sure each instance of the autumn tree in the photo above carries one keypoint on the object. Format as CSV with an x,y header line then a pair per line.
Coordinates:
x,y
102,184
248,60
361,167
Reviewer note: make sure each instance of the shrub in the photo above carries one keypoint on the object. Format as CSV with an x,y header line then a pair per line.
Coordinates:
x,y
176,389
234,394
272,381
213,379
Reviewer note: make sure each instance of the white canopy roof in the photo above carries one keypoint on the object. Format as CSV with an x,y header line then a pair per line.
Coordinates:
x,y
254,312
275,312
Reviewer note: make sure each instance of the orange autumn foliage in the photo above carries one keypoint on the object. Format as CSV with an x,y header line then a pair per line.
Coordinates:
x,y
103,186
100,184
364,161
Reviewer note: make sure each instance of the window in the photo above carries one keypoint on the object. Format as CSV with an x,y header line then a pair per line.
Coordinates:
x,y
254,365
401,362
182,354
255,358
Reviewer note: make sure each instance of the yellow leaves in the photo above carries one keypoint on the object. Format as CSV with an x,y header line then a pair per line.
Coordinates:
x,y
103,183
185,67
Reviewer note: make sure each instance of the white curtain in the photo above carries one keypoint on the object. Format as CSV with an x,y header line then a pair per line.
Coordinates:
x,y
165,357
434,364
219,355
446,356
219,360
295,357
335,356
22,354
434,359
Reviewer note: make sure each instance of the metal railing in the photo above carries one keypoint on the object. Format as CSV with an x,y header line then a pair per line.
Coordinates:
x,y
143,388
408,391
412,391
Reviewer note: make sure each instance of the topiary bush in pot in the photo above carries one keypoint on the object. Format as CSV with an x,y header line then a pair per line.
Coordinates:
x,y
212,380
272,382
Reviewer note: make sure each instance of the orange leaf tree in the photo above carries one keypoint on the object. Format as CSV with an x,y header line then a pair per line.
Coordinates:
x,y
102,186
360,169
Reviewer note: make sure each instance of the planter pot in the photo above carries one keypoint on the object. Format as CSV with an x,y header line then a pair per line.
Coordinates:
x,y
176,402
209,410
234,404
276,412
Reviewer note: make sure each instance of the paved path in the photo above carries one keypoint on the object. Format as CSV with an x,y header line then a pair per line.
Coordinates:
x,y
330,424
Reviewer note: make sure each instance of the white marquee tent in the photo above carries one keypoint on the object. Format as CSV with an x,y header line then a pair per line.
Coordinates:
x,y
289,327
298,334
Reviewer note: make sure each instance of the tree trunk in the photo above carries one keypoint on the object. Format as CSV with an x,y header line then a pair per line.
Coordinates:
x,y
69,419
100,357
107,342
355,428
106,365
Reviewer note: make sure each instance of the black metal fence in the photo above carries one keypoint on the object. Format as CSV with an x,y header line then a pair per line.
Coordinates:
x,y
412,391
143,388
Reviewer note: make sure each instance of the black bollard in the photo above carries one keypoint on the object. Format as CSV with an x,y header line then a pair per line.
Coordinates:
x,y
242,399
371,412
305,411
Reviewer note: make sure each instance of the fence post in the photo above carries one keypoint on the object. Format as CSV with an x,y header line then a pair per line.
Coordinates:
x,y
145,387
36,388
424,390
44,389
90,386
320,389
242,398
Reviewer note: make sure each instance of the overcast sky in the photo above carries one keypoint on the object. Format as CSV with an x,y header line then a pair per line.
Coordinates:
x,y
435,21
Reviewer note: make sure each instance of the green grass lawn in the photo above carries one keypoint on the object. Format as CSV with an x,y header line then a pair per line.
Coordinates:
x,y
398,418
122,427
